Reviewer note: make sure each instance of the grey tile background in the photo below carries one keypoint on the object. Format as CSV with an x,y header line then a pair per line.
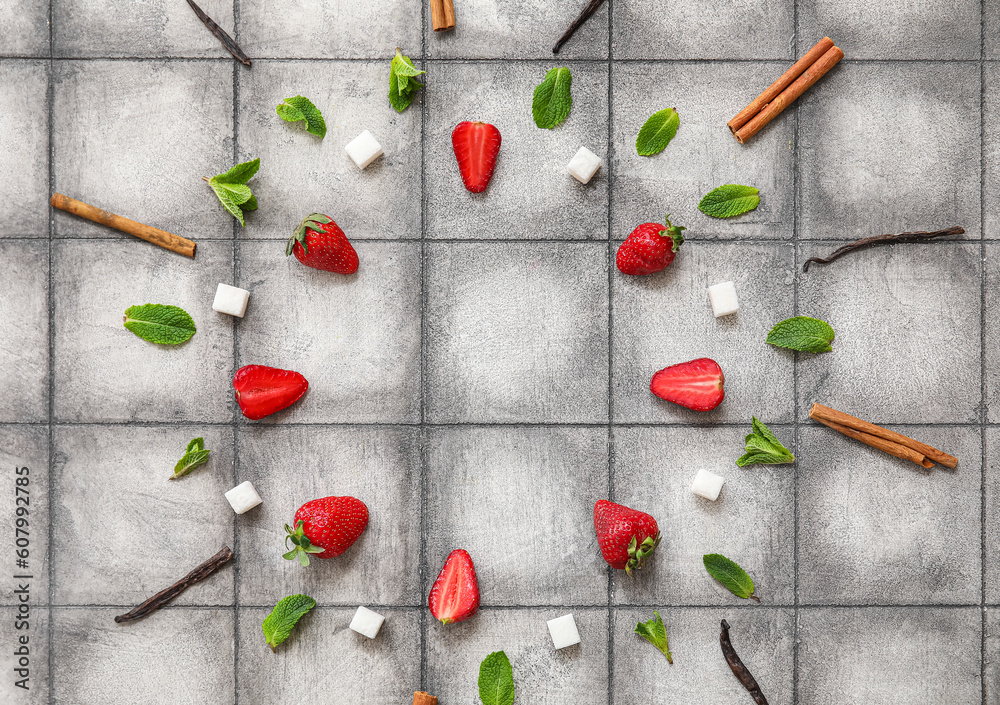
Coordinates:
x,y
483,378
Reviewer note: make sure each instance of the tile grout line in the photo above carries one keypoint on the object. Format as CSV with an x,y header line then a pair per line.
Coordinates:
x,y
234,420
50,105
424,433
611,270
982,351
795,370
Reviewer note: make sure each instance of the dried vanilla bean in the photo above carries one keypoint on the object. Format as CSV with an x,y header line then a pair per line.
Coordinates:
x,y
739,670
881,240
583,17
164,596
231,46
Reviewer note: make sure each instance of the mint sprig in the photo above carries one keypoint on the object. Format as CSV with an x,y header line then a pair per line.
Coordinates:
x,y
764,448
194,456
301,108
552,100
803,334
729,201
655,632
286,614
657,131
732,577
402,82
160,323
496,680
232,190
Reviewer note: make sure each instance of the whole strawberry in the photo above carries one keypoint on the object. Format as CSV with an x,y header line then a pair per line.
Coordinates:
x,y
650,248
326,527
626,536
319,243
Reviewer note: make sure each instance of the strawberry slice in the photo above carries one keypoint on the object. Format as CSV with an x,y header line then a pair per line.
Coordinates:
x,y
455,595
476,146
261,391
696,384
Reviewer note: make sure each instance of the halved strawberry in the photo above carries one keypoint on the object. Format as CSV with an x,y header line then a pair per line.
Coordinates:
x,y
476,145
261,390
455,595
696,384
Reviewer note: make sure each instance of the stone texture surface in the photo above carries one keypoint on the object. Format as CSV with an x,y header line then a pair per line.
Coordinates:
x,y
703,154
24,337
483,379
302,174
894,655
512,338
24,144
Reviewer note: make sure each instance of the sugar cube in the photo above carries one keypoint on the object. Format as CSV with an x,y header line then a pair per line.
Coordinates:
x,y
367,622
364,149
243,497
231,300
708,484
723,298
583,165
563,631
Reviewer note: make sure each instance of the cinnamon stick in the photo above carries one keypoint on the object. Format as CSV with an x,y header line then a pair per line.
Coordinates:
x,y
869,431
900,451
169,241
798,68
422,698
164,596
799,86
442,15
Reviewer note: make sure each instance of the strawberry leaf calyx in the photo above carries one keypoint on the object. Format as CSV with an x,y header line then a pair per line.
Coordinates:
x,y
638,553
302,546
313,221
674,233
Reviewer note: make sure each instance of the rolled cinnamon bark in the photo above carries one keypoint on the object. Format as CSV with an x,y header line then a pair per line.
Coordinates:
x,y
422,698
900,451
801,84
442,15
169,241
798,68
834,419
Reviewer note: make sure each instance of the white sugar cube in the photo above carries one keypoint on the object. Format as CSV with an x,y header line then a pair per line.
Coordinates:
x,y
708,484
243,497
231,300
723,297
563,631
584,165
364,149
367,622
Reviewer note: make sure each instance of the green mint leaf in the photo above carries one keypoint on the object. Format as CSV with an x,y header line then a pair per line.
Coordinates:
x,y
655,632
402,84
656,133
301,108
764,448
194,456
159,323
729,201
732,577
231,189
283,618
802,333
239,174
496,680
552,100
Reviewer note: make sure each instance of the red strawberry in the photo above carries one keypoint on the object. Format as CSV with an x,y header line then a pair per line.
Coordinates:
x,y
326,527
319,243
476,145
696,384
626,536
455,595
650,248
261,391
